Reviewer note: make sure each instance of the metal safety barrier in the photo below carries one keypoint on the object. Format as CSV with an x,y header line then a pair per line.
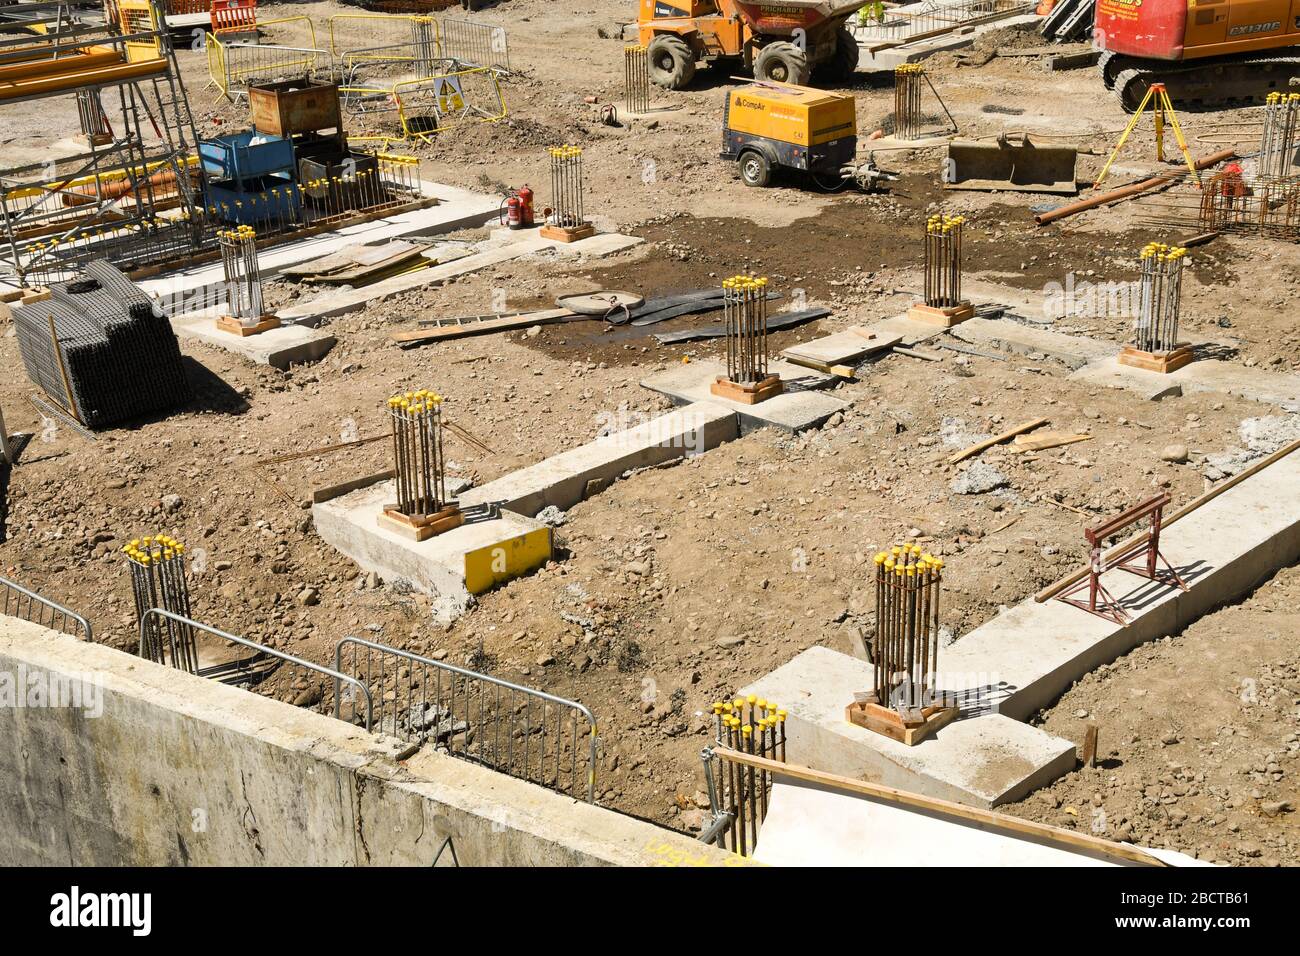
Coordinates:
x,y
874,23
414,44
300,31
233,64
422,108
475,44
27,605
516,730
261,649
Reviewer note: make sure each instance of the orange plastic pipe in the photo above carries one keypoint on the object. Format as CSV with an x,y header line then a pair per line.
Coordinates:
x,y
1124,192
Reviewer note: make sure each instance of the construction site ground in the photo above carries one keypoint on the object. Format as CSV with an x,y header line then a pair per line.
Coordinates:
x,y
678,585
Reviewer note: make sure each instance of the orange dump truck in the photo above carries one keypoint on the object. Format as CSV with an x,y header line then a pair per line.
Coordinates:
x,y
791,41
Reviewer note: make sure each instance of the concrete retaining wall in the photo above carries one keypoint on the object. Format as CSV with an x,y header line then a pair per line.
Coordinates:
x,y
160,767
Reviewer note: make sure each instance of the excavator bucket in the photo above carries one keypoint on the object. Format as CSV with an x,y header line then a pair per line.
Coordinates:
x,y
1012,162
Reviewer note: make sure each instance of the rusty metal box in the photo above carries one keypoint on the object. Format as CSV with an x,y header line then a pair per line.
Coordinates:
x,y
290,107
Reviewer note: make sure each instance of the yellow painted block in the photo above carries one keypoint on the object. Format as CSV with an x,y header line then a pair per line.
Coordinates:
x,y
487,567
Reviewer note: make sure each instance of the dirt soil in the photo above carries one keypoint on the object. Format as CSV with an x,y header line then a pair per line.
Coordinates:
x,y
699,578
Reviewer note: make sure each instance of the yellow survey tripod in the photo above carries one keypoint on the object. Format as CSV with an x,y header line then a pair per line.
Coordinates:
x,y
1162,109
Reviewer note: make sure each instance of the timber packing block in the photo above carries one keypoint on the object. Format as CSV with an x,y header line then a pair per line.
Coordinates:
x,y
769,387
1162,362
228,323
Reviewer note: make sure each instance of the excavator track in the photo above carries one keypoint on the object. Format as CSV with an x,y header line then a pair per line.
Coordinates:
x,y
1204,84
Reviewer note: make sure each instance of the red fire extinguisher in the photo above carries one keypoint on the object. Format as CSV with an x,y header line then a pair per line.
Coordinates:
x,y
517,209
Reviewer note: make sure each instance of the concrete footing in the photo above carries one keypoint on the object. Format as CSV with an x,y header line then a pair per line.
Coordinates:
x,y
1021,661
980,761
280,348
1197,376
1033,652
486,550
797,409
567,478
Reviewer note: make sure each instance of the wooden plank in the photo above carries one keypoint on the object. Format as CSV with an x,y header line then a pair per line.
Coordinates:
x,y
843,371
986,820
1045,440
913,353
995,440
523,320
1089,755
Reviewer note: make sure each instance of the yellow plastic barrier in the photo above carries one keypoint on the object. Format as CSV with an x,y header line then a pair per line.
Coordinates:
x,y
452,104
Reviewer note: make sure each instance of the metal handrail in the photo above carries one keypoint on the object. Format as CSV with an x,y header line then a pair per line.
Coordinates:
x,y
486,678
245,642
53,606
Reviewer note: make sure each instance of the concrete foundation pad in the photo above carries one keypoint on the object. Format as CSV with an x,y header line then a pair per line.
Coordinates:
x,y
1023,660
280,348
1199,376
1027,656
481,553
1073,351
562,480
808,824
1151,386
798,408
980,761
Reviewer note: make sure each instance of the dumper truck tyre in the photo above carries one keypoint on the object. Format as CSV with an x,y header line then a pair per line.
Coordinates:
x,y
844,63
782,62
755,168
672,64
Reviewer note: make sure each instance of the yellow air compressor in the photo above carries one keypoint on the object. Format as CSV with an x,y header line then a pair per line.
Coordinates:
x,y
769,126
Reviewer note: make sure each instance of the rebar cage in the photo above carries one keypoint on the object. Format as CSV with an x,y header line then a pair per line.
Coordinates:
x,y
242,274
1280,137
1160,300
745,317
905,646
909,82
158,580
943,263
1231,202
566,187
739,794
516,730
418,461
636,78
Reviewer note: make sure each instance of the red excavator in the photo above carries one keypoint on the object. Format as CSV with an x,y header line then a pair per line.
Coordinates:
x,y
1208,53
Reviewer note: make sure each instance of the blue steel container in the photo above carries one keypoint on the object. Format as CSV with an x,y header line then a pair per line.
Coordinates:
x,y
235,157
